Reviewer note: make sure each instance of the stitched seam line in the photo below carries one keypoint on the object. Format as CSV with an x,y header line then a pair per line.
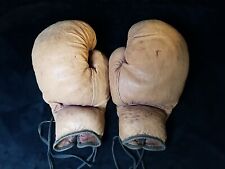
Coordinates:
x,y
93,85
118,90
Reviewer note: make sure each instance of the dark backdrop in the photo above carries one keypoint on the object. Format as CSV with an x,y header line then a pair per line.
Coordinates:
x,y
196,128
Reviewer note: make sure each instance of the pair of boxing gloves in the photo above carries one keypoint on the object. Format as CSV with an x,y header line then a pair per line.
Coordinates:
x,y
145,79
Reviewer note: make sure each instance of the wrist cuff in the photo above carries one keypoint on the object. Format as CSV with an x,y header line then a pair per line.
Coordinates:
x,y
79,125
142,127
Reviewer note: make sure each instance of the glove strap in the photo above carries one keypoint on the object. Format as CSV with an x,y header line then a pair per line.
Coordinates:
x,y
50,153
135,163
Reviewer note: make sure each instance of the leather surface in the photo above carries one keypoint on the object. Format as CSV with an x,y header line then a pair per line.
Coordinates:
x,y
194,129
150,71
70,73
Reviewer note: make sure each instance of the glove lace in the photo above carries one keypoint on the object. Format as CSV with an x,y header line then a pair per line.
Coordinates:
x,y
135,163
51,155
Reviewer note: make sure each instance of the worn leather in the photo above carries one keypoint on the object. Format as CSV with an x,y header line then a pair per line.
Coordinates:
x,y
73,78
147,78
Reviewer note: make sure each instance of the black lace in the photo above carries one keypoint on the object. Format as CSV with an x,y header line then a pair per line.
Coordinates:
x,y
135,163
50,155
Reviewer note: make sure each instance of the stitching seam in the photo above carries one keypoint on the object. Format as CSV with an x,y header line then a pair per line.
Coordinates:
x,y
93,87
118,90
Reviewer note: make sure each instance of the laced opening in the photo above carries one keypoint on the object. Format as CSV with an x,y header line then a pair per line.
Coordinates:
x,y
135,163
50,155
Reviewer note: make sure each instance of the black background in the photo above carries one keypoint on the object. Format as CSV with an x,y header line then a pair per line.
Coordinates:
x,y
196,128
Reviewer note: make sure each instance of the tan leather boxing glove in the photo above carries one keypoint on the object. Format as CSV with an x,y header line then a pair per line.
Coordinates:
x,y
73,78
146,80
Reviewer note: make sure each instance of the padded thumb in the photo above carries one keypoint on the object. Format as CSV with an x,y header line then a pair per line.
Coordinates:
x,y
100,72
116,61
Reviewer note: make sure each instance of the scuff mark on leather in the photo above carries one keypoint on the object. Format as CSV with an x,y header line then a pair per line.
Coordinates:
x,y
145,35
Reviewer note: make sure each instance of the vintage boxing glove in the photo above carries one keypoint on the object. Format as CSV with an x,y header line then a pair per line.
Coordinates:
x,y
146,80
73,78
